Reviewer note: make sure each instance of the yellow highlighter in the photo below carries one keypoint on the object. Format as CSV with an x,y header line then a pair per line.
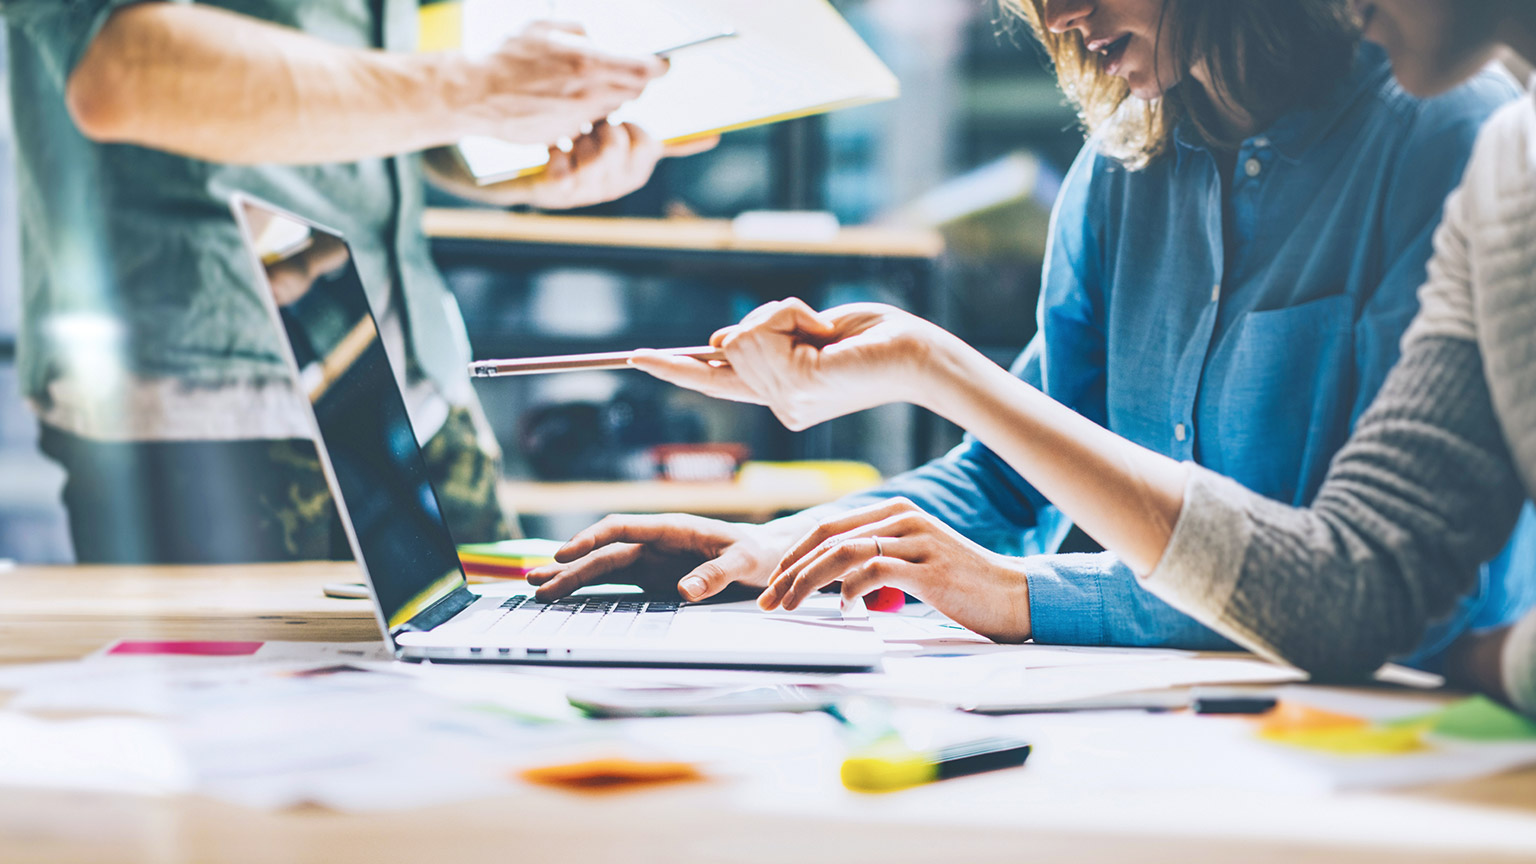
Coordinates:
x,y
889,765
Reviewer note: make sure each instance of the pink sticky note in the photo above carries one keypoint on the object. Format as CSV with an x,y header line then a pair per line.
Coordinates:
x,y
885,599
194,649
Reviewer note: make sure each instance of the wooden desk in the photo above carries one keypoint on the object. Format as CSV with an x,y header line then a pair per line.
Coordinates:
x,y
50,614
66,612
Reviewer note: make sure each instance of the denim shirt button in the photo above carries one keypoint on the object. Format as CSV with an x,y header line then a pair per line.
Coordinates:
x,y
1253,167
1180,432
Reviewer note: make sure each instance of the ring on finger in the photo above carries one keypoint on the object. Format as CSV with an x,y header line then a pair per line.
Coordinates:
x,y
879,553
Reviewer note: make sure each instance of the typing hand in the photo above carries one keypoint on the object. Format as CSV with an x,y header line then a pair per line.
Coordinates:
x,y
548,83
697,556
809,367
895,544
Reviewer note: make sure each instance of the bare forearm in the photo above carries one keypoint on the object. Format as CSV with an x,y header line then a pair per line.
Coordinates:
x,y
1123,495
224,87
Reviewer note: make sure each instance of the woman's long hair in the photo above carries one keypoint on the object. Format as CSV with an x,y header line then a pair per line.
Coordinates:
x,y
1265,57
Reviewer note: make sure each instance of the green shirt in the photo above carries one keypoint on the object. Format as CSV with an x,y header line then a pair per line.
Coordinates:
x,y
131,259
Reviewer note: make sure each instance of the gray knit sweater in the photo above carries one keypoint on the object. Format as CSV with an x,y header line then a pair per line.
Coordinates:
x,y
1431,482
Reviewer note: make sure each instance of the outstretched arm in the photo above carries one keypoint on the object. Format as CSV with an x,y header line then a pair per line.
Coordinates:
x,y
1422,493
225,87
809,367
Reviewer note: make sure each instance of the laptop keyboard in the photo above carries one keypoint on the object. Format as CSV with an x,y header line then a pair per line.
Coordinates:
x,y
574,617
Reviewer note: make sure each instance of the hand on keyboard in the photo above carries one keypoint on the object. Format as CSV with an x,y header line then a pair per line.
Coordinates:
x,y
694,556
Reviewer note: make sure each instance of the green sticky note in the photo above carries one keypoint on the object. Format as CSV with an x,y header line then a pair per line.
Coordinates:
x,y
1482,719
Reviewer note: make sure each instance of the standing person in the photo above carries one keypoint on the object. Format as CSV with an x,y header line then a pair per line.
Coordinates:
x,y
145,348
1231,262
1429,484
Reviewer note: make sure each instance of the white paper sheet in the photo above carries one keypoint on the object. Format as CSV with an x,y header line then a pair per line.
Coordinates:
x,y
166,685
789,56
125,755
400,736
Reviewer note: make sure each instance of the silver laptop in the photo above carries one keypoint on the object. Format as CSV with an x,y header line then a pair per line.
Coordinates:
x,y
425,607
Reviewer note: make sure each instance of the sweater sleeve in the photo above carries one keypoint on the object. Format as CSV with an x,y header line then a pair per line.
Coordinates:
x,y
1423,492
1519,664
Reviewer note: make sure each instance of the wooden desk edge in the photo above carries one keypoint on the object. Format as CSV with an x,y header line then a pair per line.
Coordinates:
x,y
693,235
535,498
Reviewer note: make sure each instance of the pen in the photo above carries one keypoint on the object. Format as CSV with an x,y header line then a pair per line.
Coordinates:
x,y
703,40
1155,701
578,362
890,766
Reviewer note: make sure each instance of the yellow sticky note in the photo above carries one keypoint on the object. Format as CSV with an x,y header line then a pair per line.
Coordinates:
x,y
1311,728
1346,741
441,26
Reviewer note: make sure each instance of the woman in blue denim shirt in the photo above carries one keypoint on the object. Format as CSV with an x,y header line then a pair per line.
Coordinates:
x,y
1232,261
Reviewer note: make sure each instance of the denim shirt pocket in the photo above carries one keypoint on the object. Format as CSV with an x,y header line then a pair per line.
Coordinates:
x,y
1283,381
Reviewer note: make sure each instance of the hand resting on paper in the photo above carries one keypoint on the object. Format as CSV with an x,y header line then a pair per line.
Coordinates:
x,y
895,544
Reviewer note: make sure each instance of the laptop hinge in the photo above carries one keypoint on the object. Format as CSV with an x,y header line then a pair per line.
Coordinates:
x,y
441,611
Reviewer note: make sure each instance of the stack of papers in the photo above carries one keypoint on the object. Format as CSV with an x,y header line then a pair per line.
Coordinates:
x,y
507,559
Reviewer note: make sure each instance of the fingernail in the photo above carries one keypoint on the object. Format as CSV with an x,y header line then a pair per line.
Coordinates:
x,y
691,587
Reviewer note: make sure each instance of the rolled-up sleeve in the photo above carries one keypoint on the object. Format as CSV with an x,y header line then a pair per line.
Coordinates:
x,y
1095,599
62,30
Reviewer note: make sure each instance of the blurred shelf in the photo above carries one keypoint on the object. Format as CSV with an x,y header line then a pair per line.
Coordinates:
x,y
488,256
682,235
1025,103
759,502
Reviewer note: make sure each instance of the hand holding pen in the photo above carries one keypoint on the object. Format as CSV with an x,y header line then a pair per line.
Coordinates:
x,y
585,362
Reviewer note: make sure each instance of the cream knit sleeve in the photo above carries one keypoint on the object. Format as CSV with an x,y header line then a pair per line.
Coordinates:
x,y
1422,493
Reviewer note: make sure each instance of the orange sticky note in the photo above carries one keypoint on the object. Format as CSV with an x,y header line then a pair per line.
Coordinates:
x,y
1291,717
1339,734
606,775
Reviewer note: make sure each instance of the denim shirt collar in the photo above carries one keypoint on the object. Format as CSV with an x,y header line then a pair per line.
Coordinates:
x,y
1295,132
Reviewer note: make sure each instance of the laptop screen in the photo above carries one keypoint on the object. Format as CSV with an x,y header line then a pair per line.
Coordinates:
x,y
377,470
